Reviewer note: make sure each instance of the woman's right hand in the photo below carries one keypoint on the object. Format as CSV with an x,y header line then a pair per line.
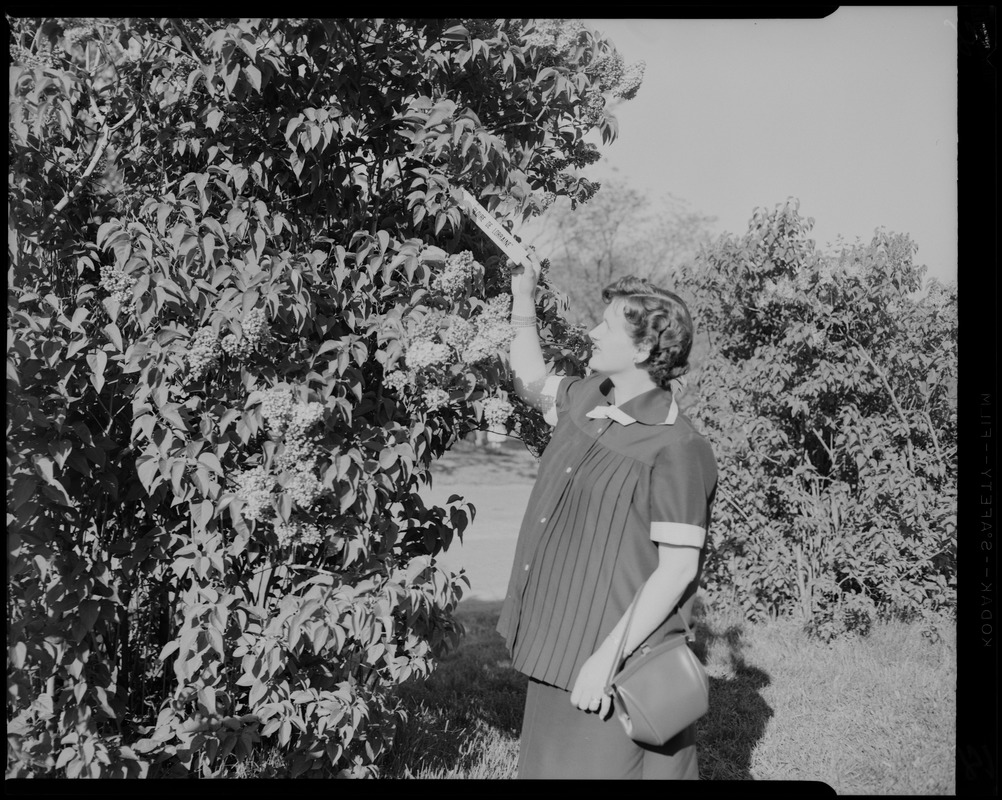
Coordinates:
x,y
524,278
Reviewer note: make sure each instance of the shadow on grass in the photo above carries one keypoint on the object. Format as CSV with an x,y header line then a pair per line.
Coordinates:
x,y
738,714
473,700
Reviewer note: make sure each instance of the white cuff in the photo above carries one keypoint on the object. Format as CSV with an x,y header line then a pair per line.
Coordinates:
x,y
679,533
548,398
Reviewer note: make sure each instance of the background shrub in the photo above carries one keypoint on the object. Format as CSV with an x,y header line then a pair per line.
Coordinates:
x,y
828,392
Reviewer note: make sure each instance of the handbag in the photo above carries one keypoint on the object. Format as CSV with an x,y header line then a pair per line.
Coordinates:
x,y
663,689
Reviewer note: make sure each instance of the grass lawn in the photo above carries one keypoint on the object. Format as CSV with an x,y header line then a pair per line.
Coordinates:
x,y
872,715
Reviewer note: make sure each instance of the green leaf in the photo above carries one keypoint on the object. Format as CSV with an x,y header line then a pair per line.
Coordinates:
x,y
88,613
105,230
65,756
60,450
114,335
284,507
43,465
143,424
148,468
171,414
134,357
168,649
211,460
78,317
228,416
24,489
17,654
256,694
201,513
103,702
207,697
300,764
212,120
163,212
97,361
112,306
238,175
253,75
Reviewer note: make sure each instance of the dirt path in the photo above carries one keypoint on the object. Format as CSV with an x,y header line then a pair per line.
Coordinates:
x,y
498,484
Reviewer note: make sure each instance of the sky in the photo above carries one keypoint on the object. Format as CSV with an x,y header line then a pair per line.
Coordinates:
x,y
853,114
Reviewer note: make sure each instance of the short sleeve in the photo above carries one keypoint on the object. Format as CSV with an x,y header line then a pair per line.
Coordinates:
x,y
561,388
683,478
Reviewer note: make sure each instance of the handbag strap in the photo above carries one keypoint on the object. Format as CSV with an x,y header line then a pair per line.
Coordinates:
x,y
617,661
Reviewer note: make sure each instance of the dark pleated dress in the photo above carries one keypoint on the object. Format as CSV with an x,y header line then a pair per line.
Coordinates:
x,y
607,492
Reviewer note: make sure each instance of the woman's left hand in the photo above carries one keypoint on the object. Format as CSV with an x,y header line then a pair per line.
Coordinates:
x,y
590,684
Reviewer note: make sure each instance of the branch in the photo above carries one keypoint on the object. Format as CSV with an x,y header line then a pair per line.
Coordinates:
x,y
932,432
378,170
181,35
805,591
350,37
193,54
178,50
317,570
736,507
99,148
322,70
831,455
920,563
890,392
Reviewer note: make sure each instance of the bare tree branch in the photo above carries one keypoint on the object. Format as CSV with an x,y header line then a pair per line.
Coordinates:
x,y
932,433
824,444
99,148
890,392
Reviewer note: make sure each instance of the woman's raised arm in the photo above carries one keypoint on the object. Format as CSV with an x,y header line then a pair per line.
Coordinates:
x,y
525,355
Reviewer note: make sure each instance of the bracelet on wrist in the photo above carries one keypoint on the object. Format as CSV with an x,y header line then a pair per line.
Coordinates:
x,y
522,321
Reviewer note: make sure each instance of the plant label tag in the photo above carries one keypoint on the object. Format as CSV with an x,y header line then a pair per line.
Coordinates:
x,y
485,220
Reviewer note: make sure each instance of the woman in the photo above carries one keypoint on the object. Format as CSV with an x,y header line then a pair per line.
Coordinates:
x,y
622,500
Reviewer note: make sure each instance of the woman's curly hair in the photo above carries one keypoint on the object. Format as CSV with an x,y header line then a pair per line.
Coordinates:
x,y
656,318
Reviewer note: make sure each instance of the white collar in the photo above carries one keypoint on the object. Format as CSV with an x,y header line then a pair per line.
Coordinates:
x,y
616,414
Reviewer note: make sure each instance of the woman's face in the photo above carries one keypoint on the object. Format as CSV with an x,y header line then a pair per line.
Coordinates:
x,y
614,351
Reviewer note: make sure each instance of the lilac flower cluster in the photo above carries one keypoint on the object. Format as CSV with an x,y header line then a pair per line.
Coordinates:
x,y
291,421
425,353
494,332
497,410
459,333
297,452
276,408
435,398
397,380
296,532
304,488
424,326
459,274
555,36
255,334
304,416
203,353
117,284
254,487
435,342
